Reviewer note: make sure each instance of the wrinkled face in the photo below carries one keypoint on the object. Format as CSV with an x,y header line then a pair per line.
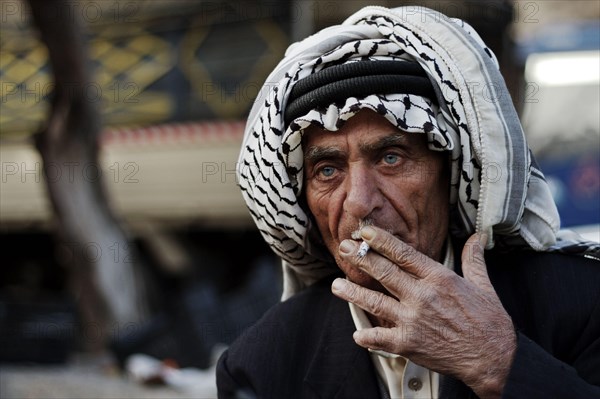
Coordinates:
x,y
370,170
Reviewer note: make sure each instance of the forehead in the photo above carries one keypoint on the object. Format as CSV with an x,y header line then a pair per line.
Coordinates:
x,y
364,127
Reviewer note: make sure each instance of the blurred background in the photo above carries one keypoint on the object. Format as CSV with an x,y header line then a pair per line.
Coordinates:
x,y
129,260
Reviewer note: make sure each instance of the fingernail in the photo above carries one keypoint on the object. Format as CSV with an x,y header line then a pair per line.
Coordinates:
x,y
337,285
347,246
367,232
483,239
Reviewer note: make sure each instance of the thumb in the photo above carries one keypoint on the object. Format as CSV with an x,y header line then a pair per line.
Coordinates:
x,y
473,262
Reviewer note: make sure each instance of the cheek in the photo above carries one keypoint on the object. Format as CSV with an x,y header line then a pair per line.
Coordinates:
x,y
434,215
319,205
441,187
436,194
326,209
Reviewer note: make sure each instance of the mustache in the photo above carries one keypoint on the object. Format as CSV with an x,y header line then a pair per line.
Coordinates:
x,y
355,235
361,223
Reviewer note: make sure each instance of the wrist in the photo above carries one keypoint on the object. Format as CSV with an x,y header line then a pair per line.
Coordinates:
x,y
491,376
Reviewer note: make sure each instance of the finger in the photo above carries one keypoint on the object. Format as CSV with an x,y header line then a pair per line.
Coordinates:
x,y
408,258
473,262
380,338
390,275
374,302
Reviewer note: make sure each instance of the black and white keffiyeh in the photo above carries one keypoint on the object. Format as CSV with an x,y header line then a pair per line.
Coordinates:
x,y
496,188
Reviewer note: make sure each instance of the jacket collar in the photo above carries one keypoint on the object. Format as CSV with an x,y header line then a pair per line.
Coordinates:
x,y
341,368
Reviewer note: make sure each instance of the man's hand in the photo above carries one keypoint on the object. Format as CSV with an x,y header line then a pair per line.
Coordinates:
x,y
430,315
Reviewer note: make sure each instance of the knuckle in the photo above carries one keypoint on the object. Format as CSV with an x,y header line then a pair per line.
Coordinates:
x,y
351,291
380,338
426,296
407,254
375,302
387,273
411,316
388,243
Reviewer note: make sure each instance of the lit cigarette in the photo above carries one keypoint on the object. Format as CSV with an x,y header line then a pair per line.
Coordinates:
x,y
362,249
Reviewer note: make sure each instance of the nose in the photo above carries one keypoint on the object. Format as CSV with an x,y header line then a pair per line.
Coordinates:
x,y
363,195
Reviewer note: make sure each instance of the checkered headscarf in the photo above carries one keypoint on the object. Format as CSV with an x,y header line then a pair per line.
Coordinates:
x,y
496,187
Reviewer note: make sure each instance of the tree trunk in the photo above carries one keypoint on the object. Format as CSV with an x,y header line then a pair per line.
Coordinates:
x,y
101,263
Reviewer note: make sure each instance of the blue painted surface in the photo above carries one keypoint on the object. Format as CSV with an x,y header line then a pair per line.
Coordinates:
x,y
575,184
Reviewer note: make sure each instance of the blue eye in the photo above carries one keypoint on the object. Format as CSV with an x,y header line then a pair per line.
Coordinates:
x,y
328,171
390,159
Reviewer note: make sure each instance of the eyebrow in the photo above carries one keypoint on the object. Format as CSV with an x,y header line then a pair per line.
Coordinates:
x,y
392,140
314,154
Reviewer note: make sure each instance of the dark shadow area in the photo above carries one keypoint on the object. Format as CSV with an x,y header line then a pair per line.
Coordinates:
x,y
233,279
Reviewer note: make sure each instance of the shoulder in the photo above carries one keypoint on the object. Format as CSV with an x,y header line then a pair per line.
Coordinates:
x,y
286,319
542,270
289,333
552,297
554,302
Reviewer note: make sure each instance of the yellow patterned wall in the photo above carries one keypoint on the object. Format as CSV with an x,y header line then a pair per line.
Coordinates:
x,y
149,66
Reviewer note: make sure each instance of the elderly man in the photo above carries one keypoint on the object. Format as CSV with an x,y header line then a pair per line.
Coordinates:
x,y
382,158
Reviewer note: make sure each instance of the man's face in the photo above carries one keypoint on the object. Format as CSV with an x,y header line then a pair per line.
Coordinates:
x,y
370,170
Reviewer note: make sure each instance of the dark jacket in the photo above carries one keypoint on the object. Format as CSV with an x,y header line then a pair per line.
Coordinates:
x,y
303,347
